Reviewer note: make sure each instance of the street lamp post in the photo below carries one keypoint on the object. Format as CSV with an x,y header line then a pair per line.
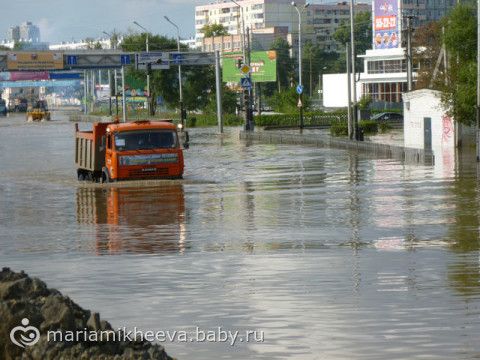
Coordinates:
x,y
148,75
110,77
247,95
243,30
180,87
300,95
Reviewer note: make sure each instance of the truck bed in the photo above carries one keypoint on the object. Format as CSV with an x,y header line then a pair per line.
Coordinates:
x,y
88,152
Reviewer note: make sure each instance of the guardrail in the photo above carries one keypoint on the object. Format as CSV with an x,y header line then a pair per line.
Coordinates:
x,y
409,155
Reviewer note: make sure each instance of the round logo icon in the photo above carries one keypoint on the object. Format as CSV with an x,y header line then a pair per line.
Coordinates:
x,y
24,335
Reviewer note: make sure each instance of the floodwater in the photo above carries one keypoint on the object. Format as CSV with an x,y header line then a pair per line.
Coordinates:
x,y
331,255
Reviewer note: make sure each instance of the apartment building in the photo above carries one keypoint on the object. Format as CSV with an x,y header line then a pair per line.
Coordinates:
x,y
260,39
257,14
324,19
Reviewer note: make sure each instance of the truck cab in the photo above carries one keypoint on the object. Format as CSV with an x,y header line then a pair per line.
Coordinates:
x,y
129,151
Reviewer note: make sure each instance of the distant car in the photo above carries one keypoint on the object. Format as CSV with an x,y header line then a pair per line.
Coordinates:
x,y
387,116
3,107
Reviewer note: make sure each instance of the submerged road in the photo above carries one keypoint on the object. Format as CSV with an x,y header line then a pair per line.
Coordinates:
x,y
330,254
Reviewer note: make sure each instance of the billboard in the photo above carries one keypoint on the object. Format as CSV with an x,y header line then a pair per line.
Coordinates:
x,y
386,24
41,60
263,66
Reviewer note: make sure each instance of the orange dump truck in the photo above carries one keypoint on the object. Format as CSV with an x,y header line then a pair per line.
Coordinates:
x,y
129,151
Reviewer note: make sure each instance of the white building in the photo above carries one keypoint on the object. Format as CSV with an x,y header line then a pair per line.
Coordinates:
x,y
29,32
257,14
323,20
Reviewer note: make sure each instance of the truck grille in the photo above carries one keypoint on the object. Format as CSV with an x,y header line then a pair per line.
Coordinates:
x,y
138,173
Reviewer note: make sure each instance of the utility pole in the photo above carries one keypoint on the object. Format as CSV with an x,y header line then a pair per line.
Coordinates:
x,y
218,86
180,85
249,109
478,84
349,87
409,54
85,90
148,75
354,85
300,84
124,103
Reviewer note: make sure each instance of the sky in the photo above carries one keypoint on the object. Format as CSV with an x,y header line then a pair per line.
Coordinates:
x,y
64,20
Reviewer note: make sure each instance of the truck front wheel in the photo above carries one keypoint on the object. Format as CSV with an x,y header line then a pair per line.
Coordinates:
x,y
105,178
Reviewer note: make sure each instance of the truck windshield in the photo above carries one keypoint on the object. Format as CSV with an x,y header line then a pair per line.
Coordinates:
x,y
145,140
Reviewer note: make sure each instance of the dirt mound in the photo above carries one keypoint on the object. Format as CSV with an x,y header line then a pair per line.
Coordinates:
x,y
29,311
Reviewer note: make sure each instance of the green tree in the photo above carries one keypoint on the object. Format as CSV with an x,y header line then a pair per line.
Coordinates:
x,y
19,45
286,101
197,81
460,39
213,30
4,48
363,34
285,71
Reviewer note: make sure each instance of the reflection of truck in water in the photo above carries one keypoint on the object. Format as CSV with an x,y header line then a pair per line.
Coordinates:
x,y
129,151
134,220
38,111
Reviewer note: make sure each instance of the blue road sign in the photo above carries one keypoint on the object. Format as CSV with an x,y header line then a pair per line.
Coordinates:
x,y
177,58
246,83
299,89
125,59
71,60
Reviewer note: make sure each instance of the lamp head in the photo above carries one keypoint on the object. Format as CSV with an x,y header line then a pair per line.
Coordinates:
x,y
306,5
293,4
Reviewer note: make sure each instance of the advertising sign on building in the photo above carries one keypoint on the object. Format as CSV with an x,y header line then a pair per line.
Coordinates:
x,y
263,66
34,61
386,24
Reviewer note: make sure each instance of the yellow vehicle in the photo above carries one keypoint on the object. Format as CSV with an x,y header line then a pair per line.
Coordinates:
x,y
39,112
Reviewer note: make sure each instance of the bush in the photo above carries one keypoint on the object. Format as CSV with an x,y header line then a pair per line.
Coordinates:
x,y
203,120
384,127
368,126
286,101
339,128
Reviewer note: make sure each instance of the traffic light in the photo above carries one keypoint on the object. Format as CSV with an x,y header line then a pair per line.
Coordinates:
x,y
246,98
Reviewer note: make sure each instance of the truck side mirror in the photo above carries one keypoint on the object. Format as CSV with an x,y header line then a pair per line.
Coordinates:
x,y
186,144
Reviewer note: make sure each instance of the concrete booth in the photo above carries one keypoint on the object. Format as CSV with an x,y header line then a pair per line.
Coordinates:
x,y
428,126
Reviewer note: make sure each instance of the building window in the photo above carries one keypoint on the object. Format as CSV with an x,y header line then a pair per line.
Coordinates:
x,y
385,92
386,66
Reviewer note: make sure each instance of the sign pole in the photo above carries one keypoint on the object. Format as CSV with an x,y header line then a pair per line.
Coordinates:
x,y
218,84
124,103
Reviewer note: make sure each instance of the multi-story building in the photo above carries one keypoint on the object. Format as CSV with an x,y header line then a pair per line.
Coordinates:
x,y
13,34
260,39
257,14
324,19
29,32
320,21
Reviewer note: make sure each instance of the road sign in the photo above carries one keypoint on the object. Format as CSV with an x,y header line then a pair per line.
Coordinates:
x,y
245,69
299,104
71,60
246,83
152,57
299,89
177,58
157,60
192,58
125,59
